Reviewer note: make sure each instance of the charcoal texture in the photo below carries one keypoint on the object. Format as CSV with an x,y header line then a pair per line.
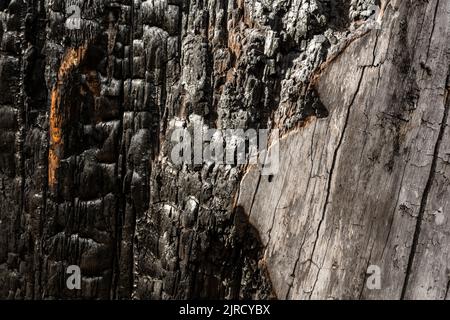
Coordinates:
x,y
358,89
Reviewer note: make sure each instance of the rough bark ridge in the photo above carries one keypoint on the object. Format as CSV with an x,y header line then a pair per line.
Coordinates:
x,y
86,176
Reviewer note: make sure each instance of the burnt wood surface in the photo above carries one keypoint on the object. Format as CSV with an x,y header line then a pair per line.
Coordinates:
x,y
361,101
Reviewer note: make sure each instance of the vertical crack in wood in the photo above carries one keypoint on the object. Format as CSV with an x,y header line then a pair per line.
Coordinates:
x,y
425,195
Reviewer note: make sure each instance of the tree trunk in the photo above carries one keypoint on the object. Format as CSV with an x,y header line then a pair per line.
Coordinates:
x,y
357,89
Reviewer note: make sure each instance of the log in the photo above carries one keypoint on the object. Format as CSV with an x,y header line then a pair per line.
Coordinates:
x,y
354,95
